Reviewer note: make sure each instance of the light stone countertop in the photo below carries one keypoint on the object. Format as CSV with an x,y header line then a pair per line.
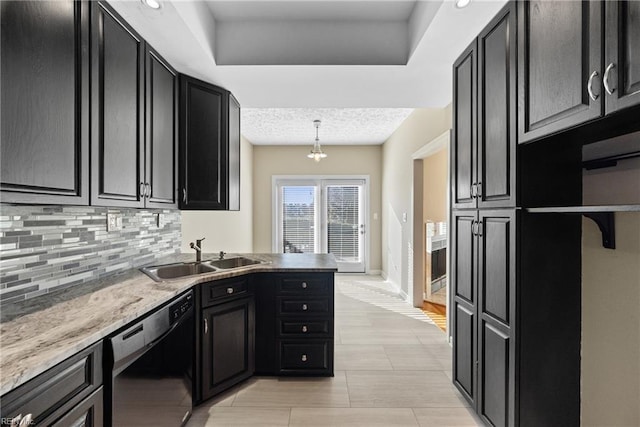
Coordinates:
x,y
37,334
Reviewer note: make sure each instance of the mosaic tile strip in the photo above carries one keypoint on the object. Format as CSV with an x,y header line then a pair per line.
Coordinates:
x,y
43,248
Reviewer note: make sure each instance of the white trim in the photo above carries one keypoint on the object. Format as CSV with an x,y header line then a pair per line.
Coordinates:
x,y
316,179
442,141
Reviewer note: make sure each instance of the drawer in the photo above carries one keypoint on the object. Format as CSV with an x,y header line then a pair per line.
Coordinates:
x,y
303,305
304,285
303,355
305,328
57,390
219,291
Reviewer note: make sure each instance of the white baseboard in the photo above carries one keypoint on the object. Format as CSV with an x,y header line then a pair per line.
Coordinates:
x,y
384,274
376,273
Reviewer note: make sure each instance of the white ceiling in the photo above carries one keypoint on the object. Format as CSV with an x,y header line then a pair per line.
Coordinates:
x,y
340,126
314,54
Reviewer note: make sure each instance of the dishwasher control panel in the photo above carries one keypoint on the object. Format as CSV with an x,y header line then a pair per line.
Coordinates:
x,y
180,307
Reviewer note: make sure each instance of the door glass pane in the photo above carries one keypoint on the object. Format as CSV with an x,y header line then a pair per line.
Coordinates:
x,y
343,222
298,219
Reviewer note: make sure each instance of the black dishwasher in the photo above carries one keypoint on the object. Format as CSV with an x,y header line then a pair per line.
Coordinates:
x,y
151,365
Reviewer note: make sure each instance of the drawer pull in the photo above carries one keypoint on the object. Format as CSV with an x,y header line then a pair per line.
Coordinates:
x,y
304,328
229,290
304,285
304,357
304,307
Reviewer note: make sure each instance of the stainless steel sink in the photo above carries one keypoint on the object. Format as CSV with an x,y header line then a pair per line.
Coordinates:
x,y
175,271
233,262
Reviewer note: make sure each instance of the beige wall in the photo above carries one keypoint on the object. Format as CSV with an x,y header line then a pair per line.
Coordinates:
x,y
422,126
435,172
611,303
291,160
229,231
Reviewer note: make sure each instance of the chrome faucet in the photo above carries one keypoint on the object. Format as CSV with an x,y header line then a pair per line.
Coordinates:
x,y
198,248
222,254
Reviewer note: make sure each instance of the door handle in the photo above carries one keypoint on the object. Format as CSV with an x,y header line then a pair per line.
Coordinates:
x,y
206,327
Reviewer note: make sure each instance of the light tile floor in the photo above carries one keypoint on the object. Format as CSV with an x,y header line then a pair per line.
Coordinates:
x,y
392,368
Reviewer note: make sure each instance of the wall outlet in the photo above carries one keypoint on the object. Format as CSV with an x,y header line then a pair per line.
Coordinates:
x,y
404,217
114,221
160,220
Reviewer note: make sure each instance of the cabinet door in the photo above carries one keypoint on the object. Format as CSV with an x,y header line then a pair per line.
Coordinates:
x,y
622,55
559,54
161,132
463,157
45,97
117,111
463,259
497,111
203,145
227,345
496,302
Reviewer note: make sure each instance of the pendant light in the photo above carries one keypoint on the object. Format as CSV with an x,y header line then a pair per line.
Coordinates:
x,y
316,153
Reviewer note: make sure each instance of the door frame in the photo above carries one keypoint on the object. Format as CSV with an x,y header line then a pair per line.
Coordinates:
x,y
303,179
417,194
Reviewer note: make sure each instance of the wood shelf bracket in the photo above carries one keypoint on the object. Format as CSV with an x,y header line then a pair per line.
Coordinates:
x,y
606,224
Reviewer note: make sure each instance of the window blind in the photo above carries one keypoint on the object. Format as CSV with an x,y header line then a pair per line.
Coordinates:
x,y
343,222
298,219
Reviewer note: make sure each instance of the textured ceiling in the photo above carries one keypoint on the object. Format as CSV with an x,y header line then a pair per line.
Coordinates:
x,y
294,126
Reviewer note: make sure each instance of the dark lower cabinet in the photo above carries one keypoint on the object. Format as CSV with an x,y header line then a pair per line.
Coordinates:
x,y
227,354
45,102
117,113
516,315
300,305
209,147
67,395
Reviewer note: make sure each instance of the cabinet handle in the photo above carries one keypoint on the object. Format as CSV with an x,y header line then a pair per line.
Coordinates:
x,y
473,227
229,290
304,328
473,190
592,95
304,357
479,228
304,307
304,285
206,327
142,190
147,187
479,189
184,195
605,79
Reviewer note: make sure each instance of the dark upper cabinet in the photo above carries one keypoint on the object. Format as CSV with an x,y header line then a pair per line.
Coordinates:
x,y
161,148
463,152
484,124
45,96
117,111
559,66
621,77
209,143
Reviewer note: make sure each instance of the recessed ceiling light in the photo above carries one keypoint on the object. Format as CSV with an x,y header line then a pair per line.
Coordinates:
x,y
462,3
153,4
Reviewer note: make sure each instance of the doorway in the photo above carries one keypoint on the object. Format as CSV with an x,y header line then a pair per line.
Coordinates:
x,y
430,226
323,215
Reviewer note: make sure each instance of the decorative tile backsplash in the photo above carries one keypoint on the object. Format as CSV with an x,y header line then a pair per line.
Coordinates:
x,y
43,248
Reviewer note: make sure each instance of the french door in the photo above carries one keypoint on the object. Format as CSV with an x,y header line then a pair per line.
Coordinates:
x,y
322,216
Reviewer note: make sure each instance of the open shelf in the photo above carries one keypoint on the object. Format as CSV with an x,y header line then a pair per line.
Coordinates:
x,y
602,215
586,209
